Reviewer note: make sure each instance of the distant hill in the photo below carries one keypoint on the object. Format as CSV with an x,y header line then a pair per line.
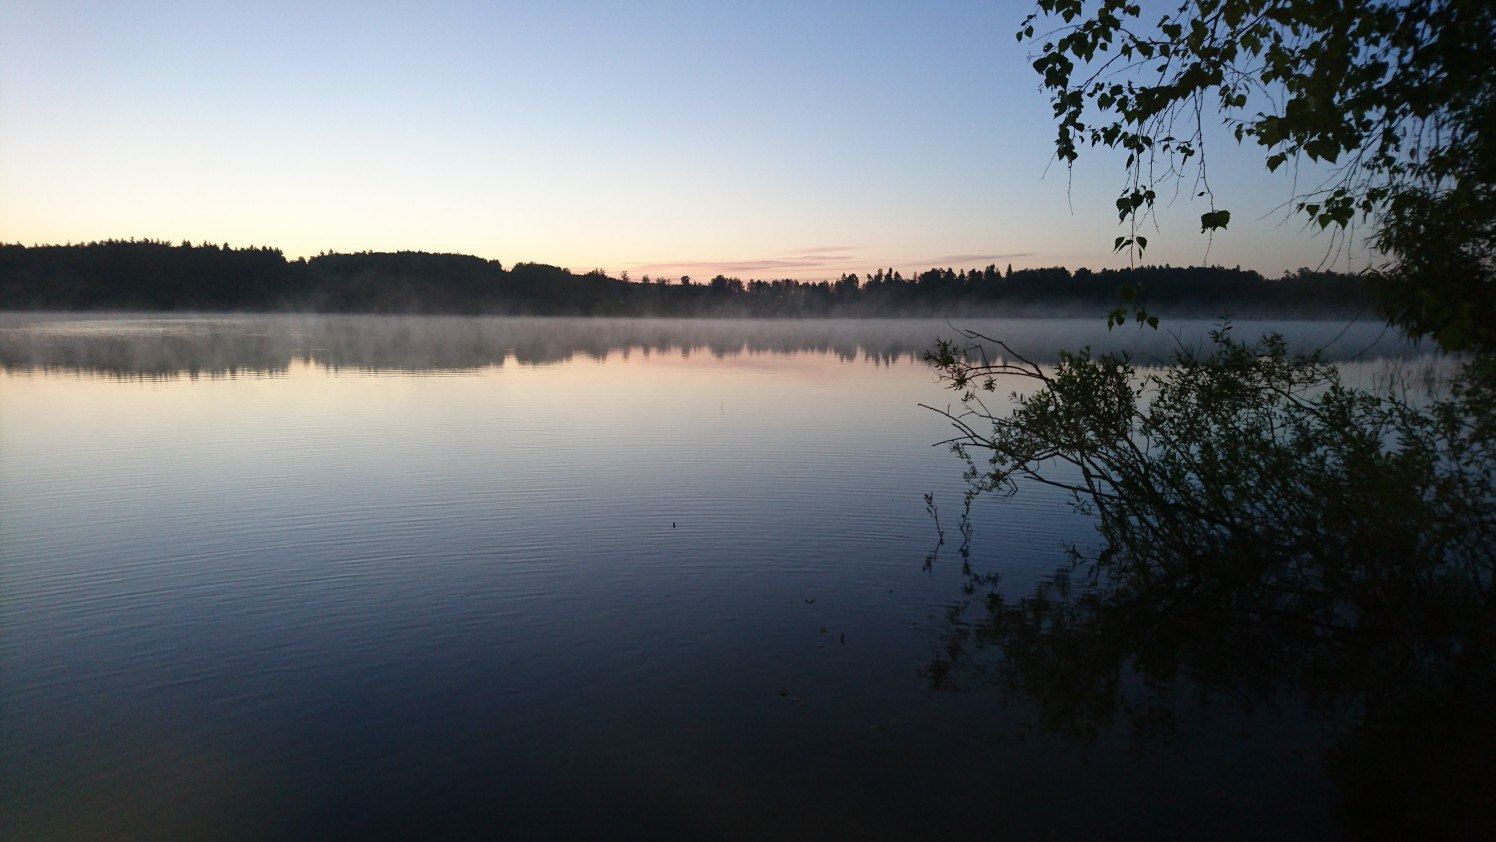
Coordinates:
x,y
151,275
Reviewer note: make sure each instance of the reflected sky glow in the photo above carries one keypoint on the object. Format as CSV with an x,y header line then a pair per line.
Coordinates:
x,y
370,600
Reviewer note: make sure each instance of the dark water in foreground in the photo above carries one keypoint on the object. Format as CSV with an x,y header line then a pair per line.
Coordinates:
x,y
291,577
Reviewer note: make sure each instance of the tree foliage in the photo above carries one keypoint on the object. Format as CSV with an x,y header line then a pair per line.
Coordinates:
x,y
1248,452
1393,95
1246,462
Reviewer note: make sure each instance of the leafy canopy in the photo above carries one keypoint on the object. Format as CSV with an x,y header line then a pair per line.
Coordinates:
x,y
1392,95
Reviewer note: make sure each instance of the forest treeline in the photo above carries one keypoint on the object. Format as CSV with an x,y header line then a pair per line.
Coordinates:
x,y
152,275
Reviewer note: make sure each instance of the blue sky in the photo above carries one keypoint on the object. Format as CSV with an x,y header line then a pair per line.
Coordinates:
x,y
759,140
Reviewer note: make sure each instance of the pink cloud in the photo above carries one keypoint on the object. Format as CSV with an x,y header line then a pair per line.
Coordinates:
x,y
967,259
823,258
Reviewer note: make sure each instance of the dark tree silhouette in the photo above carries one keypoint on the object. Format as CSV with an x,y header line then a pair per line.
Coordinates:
x,y
154,275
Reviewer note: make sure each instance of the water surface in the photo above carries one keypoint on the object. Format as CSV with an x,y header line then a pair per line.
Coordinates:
x,y
310,577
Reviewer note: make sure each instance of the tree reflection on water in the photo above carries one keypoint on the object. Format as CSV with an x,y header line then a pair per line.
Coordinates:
x,y
1269,535
1407,696
220,345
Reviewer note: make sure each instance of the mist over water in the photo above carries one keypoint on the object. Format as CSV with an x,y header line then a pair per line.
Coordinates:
x,y
213,345
268,577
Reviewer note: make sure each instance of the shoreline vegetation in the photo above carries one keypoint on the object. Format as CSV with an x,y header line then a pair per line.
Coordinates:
x,y
155,276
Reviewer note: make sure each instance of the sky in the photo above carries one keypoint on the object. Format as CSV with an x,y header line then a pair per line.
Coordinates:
x,y
757,140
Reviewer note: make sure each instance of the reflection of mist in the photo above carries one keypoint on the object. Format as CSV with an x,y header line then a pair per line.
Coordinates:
x,y
229,345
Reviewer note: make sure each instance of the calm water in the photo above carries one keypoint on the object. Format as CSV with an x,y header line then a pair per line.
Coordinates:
x,y
299,577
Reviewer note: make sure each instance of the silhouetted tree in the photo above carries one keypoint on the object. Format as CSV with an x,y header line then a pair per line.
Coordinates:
x,y
1398,95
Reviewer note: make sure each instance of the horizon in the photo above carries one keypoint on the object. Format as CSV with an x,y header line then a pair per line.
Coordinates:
x,y
765,143
627,276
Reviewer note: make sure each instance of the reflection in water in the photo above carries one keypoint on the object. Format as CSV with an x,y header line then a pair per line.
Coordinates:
x,y
581,600
1268,540
215,346
1409,695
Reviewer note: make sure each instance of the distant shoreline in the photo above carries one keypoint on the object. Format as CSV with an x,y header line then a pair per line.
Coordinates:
x,y
148,276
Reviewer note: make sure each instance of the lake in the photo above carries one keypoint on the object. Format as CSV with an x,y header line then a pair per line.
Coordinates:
x,y
304,577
